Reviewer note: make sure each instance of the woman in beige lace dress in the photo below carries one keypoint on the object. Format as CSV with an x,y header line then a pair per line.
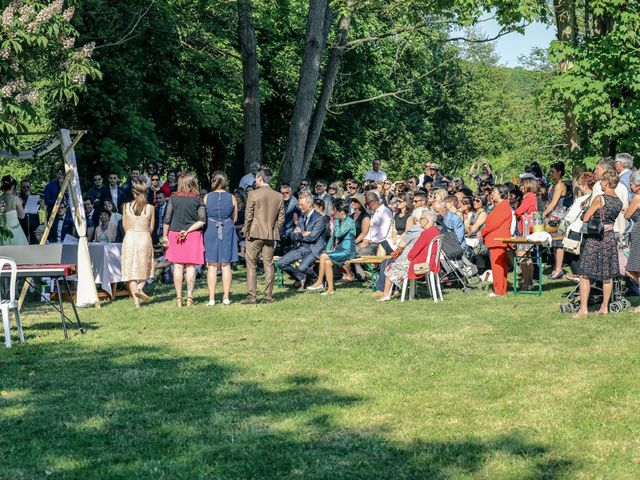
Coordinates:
x,y
137,249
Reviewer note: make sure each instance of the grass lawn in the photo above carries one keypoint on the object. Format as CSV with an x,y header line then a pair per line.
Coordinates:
x,y
324,387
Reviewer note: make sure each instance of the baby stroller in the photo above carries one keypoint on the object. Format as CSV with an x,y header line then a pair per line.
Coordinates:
x,y
455,266
618,302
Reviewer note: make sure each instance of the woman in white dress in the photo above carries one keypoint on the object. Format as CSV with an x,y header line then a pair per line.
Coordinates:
x,y
11,212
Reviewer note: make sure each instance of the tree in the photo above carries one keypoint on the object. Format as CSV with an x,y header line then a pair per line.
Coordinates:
x,y
40,65
252,146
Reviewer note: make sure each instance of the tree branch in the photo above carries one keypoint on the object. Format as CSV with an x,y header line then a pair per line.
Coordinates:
x,y
501,33
129,35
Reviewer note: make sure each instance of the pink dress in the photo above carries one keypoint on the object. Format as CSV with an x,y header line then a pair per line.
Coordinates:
x,y
182,212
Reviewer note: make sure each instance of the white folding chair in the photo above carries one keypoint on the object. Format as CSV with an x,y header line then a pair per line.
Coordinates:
x,y
9,304
433,279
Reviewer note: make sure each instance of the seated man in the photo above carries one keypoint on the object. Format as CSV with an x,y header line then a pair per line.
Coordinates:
x,y
450,220
381,219
308,243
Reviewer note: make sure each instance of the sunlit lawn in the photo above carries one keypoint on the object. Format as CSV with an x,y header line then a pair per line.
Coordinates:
x,y
324,387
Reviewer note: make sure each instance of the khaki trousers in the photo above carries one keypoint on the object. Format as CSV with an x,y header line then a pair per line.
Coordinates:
x,y
253,248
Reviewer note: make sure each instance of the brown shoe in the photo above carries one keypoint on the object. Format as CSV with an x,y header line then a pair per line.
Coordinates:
x,y
267,300
248,301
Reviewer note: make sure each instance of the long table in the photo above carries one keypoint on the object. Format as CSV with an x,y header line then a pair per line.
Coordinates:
x,y
532,252
105,259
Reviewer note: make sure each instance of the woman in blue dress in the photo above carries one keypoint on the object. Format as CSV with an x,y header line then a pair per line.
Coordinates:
x,y
341,247
220,238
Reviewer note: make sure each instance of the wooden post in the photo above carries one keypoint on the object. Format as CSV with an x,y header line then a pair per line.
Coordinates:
x,y
45,235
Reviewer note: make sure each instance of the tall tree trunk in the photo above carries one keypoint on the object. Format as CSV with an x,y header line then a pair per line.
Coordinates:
x,y
303,109
251,86
565,13
328,82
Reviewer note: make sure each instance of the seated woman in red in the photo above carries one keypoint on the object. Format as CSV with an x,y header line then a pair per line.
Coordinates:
x,y
498,225
398,271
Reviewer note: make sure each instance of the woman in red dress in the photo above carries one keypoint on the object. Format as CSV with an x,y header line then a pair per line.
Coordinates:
x,y
498,225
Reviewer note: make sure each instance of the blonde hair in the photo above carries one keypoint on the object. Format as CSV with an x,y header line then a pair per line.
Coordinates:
x,y
139,190
188,184
440,194
530,185
611,177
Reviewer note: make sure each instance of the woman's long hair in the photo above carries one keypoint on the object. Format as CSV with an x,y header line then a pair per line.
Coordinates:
x,y
139,190
188,185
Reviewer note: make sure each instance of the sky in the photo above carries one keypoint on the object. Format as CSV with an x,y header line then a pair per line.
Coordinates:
x,y
513,45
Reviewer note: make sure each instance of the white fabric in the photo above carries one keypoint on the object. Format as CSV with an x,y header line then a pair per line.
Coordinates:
x,y
378,176
621,191
86,292
380,225
539,237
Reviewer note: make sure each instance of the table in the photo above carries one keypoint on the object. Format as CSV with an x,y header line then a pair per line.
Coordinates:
x,y
371,262
533,253
106,262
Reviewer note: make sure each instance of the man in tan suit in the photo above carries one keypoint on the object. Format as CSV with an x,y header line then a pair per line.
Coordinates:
x,y
263,219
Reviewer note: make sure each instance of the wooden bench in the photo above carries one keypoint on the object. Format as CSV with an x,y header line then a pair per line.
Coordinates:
x,y
370,261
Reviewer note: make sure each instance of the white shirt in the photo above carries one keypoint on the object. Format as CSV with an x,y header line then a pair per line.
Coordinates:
x,y
623,195
114,196
247,181
378,176
380,225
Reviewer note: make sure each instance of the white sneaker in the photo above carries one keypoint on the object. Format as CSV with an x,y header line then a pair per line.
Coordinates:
x,y
211,303
492,295
226,301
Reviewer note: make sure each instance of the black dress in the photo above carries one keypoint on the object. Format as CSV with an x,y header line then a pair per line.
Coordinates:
x,y
599,257
400,222
358,221
634,250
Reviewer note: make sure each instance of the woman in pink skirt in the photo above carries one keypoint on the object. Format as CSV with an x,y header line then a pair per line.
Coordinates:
x,y
183,222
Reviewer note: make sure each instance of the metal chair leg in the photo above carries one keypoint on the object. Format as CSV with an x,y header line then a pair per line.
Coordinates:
x,y
16,312
7,326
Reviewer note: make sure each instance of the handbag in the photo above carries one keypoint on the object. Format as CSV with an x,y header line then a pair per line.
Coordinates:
x,y
595,226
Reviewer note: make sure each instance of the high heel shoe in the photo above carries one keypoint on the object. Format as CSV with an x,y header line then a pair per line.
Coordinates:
x,y
143,296
557,276
179,302
311,288
190,302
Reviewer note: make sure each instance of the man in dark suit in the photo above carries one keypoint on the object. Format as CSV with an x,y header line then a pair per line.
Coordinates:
x,y
309,241
62,225
161,209
128,185
263,219
114,193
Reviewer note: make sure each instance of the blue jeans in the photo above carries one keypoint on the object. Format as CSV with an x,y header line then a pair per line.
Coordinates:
x,y
382,276
306,258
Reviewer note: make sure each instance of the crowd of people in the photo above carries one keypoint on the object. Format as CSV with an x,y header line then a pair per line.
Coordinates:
x,y
311,233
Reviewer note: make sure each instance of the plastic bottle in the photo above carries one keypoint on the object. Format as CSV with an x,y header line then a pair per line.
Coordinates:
x,y
525,225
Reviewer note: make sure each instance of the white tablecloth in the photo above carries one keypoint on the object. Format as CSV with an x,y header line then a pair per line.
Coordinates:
x,y
105,259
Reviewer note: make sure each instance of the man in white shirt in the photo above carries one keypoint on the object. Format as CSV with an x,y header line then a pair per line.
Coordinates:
x,y
322,194
375,174
624,166
250,178
381,219
621,191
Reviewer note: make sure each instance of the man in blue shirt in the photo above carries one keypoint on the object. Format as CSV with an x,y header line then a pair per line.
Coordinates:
x,y
450,220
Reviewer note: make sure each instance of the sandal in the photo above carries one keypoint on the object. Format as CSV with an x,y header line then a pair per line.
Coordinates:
x,y
179,302
190,302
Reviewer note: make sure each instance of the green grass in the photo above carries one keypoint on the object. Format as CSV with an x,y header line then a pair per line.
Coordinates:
x,y
316,387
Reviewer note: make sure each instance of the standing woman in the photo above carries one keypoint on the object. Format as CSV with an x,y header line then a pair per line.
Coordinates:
x,y
599,256
498,225
138,220
220,238
11,212
633,213
557,193
183,222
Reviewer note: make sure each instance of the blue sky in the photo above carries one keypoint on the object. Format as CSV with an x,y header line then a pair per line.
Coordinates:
x,y
513,45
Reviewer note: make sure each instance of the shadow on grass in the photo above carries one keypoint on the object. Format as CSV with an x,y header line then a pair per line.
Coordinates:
x,y
144,413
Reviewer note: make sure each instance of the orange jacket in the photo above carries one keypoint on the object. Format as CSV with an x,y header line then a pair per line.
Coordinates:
x,y
498,225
